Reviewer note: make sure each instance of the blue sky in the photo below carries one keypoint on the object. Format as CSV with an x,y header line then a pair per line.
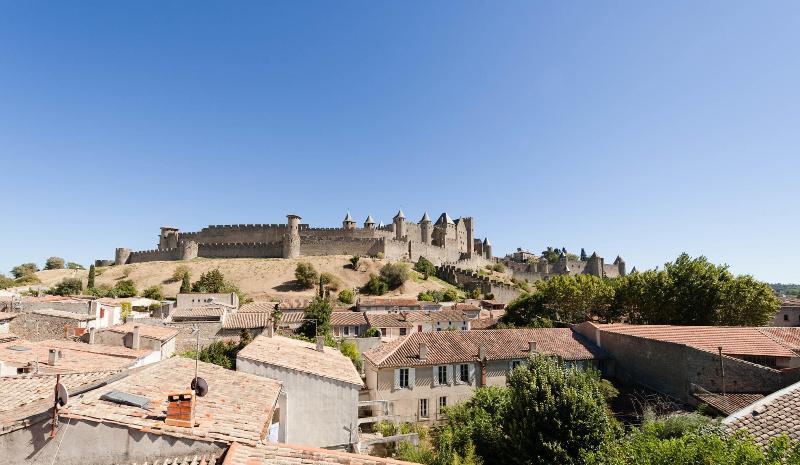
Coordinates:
x,y
638,128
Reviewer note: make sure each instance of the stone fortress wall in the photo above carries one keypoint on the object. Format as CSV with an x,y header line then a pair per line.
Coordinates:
x,y
445,241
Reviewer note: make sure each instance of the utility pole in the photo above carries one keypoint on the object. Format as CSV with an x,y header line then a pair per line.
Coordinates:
x,y
722,369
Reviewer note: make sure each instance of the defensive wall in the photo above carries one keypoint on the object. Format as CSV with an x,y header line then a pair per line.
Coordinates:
x,y
471,280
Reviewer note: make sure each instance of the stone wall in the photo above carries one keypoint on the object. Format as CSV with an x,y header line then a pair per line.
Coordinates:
x,y
471,280
341,246
209,332
236,233
34,327
153,256
241,250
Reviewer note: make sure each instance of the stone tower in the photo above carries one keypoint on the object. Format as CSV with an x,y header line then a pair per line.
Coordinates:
x,y
468,224
291,240
425,228
594,265
188,250
369,223
620,265
122,255
168,239
348,222
487,248
399,221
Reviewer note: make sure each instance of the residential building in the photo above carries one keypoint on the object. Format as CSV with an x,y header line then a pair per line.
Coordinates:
x,y
349,324
788,314
421,374
321,387
772,416
159,339
287,454
386,305
684,361
208,313
5,321
391,325
199,299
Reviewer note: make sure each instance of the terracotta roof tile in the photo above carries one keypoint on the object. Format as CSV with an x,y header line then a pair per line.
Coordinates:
x,y
771,416
238,406
500,344
289,318
294,304
728,403
161,333
64,314
247,320
288,454
5,316
301,356
788,337
393,302
202,458
197,313
348,319
387,320
76,357
257,307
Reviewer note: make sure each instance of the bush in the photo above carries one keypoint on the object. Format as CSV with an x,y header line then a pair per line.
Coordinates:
x,y
27,279
350,351
379,255
5,282
354,261
306,275
125,288
375,286
179,272
103,290
154,292
212,281
68,286
317,320
126,271
499,267
186,286
346,296
24,270
372,332
222,353
425,267
75,266
394,274
330,281
54,263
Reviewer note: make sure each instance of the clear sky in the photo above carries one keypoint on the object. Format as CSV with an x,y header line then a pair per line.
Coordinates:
x,y
638,128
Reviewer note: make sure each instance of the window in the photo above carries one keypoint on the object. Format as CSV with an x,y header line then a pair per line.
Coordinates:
x,y
346,330
442,402
383,332
515,363
441,374
419,328
423,408
402,331
785,317
102,312
403,378
463,373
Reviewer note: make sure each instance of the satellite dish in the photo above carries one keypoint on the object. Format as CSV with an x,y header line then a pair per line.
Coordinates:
x,y
62,397
200,386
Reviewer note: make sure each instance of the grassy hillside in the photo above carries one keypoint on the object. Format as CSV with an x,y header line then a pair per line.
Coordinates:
x,y
260,279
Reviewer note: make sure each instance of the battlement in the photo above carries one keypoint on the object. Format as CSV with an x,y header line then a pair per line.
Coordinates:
x,y
222,245
246,226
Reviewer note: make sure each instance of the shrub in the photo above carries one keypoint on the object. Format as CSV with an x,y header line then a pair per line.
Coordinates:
x,y
126,310
499,267
211,281
125,288
376,286
425,267
306,275
317,320
24,270
27,280
5,282
154,292
222,353
178,273
54,263
67,286
379,255
126,271
372,332
75,266
330,281
350,351
394,274
103,290
354,261
346,296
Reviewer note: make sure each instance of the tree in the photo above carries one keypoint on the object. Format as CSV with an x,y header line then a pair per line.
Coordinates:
x,y
67,286
554,414
90,280
354,262
222,353
318,319
349,350
155,292
125,288
24,270
425,267
54,263
375,286
394,274
744,301
179,272
186,286
372,332
346,296
74,266
329,281
5,282
551,254
306,275
584,257
212,281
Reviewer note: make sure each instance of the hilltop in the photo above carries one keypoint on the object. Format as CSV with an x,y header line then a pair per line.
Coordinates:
x,y
259,278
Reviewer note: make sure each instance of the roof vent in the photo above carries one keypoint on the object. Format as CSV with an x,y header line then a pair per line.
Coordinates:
x,y
124,398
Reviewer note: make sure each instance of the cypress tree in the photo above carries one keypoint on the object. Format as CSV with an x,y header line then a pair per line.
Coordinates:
x,y
186,286
90,281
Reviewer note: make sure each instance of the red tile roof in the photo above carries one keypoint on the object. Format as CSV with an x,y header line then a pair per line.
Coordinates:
x,y
197,313
733,340
500,344
76,357
788,337
247,320
257,307
771,416
348,319
393,302
64,314
289,454
387,320
729,403
161,333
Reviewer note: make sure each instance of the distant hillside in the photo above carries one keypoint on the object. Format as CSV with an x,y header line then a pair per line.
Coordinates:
x,y
260,279
786,289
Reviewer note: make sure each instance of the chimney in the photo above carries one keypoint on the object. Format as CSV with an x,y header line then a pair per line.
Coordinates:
x,y
92,335
320,343
180,409
135,340
423,351
482,353
52,357
532,346
270,329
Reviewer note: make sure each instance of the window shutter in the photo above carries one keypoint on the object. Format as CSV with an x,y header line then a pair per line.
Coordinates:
x,y
472,373
411,377
510,365
435,375
396,379
450,375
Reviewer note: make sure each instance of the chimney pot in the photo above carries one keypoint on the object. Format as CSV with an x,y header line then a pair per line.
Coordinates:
x,y
321,343
532,346
52,357
423,350
92,335
180,409
135,340
271,329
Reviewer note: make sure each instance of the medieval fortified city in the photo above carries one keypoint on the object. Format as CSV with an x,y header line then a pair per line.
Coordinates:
x,y
568,135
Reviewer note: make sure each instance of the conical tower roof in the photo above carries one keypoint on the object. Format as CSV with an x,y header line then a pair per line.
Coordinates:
x,y
400,215
425,218
348,218
486,241
369,220
444,218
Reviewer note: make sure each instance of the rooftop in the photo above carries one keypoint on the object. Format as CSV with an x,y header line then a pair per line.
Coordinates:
x,y
258,307
76,357
294,303
64,314
161,333
348,319
390,302
302,356
238,406
289,454
771,416
500,344
5,316
387,320
733,340
197,313
247,320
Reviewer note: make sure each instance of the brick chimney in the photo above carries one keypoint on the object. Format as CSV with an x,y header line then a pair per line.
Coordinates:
x,y
92,331
320,343
532,346
180,409
52,357
135,338
423,350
